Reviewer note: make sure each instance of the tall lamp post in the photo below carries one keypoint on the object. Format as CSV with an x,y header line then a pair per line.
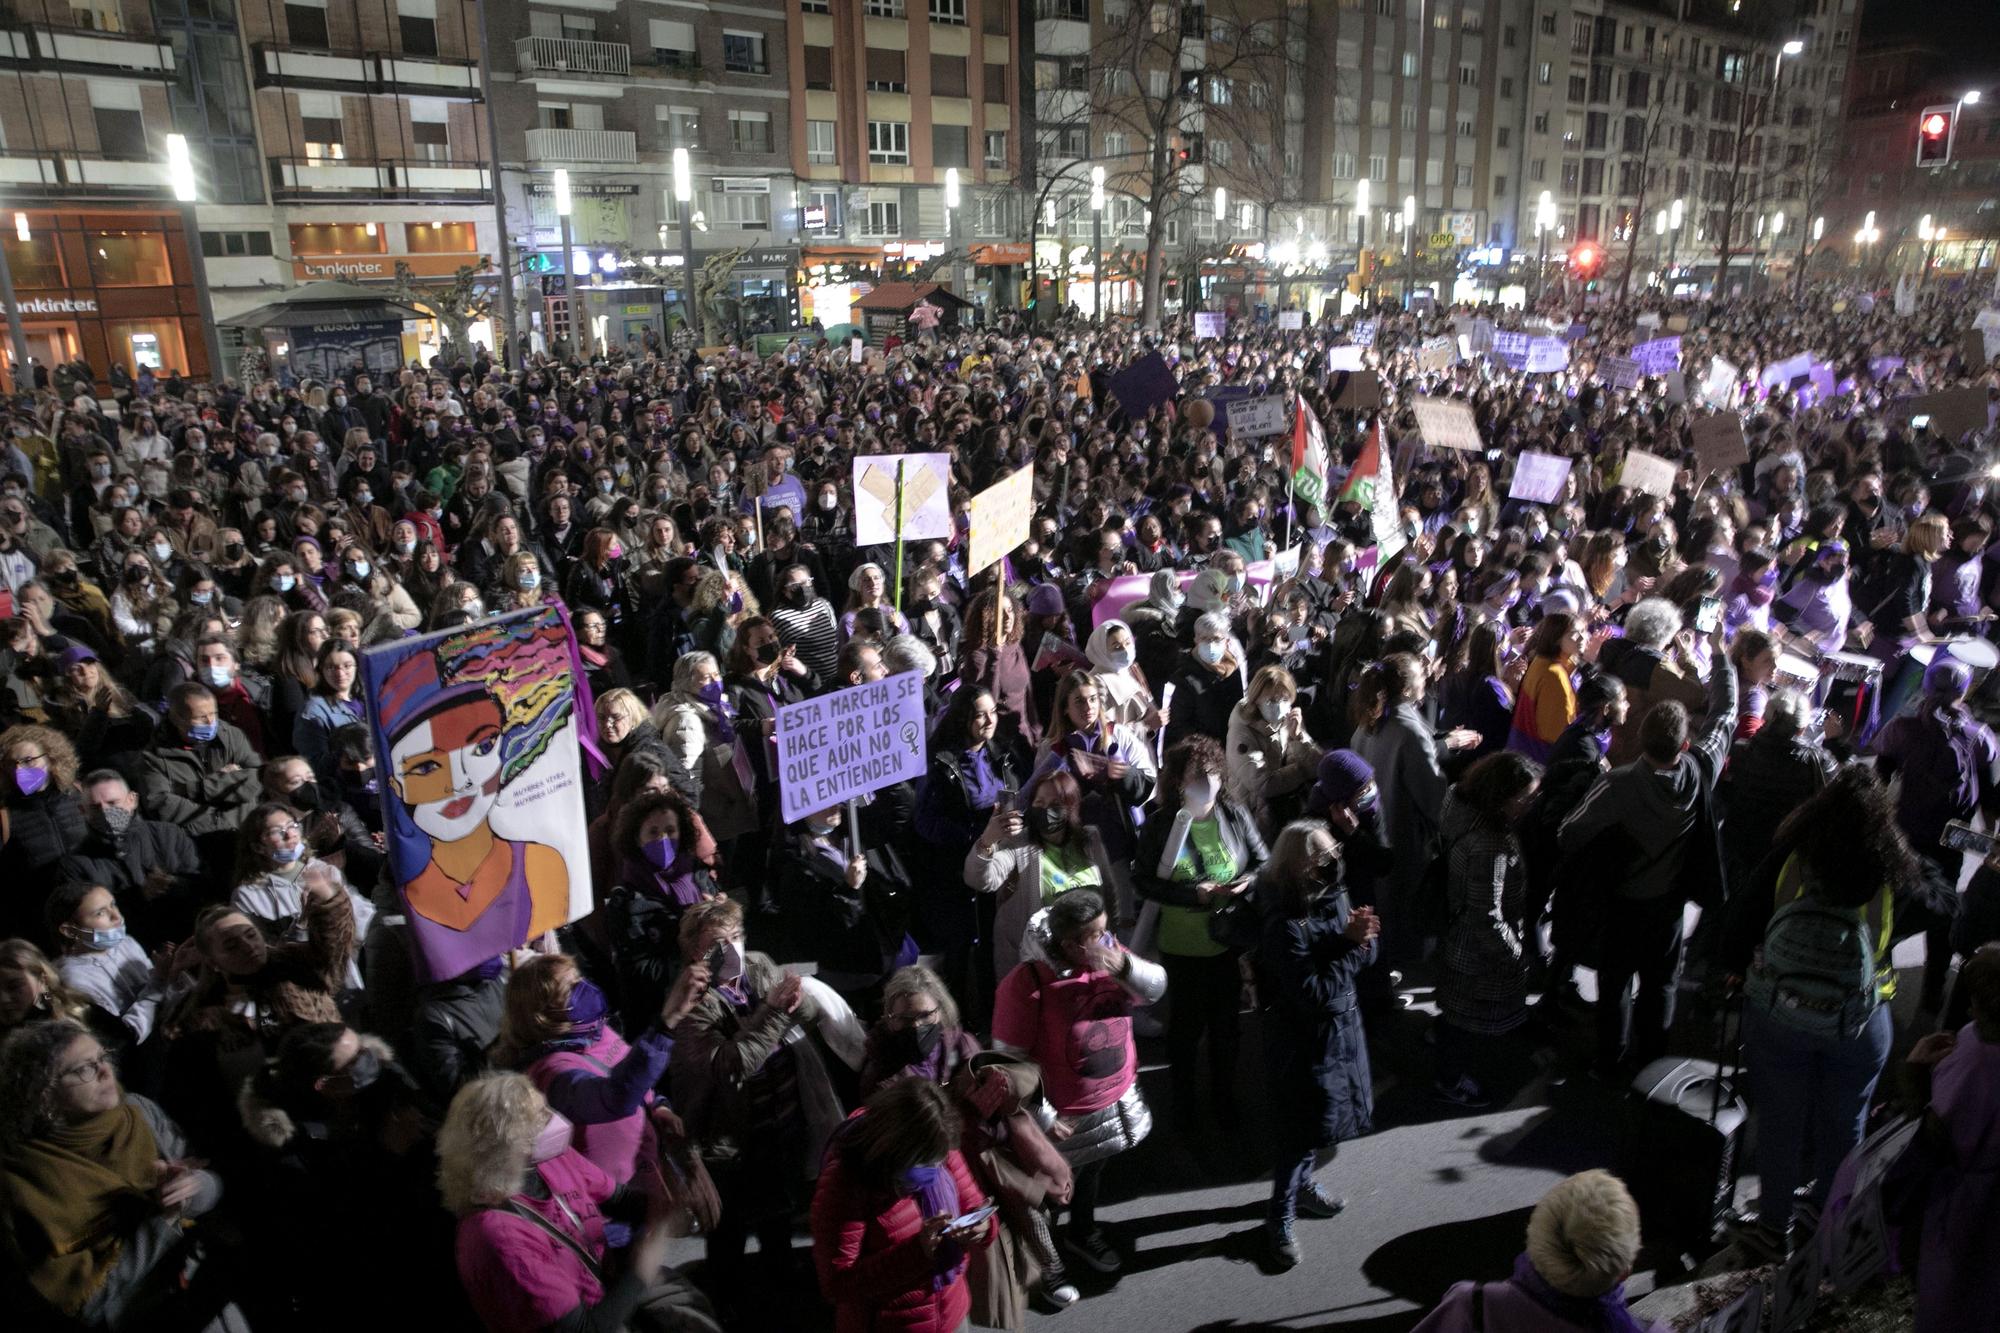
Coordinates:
x,y
1545,222
572,305
1221,228
684,199
1812,234
1930,236
1867,236
15,333
1659,242
1676,214
1361,236
1409,249
952,230
1097,246
180,174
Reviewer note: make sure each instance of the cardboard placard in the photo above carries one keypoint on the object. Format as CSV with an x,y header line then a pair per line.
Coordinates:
x,y
1364,332
1538,478
1437,354
1356,391
1620,372
1254,418
1345,357
1659,356
1000,518
1510,349
1718,442
1291,319
1210,323
1447,424
926,498
1649,473
1719,383
1547,356
1144,385
836,747
1953,412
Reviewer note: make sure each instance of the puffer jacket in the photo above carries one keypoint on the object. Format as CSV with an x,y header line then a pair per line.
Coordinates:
x,y
186,785
872,1266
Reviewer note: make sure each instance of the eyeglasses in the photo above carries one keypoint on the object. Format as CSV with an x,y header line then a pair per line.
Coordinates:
x,y
89,1071
33,759
278,831
929,1015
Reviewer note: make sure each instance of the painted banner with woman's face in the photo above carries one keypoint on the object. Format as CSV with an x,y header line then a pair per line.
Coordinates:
x,y
482,785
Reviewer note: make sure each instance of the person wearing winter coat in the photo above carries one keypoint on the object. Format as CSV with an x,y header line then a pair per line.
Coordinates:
x,y
1483,983
1031,859
890,1256
1127,693
1655,659
453,1024
39,817
101,963
1770,775
1271,760
1650,829
272,868
842,909
1067,1006
200,773
1154,622
1315,944
149,865
919,1034
697,722
1207,682
1391,735
345,1171
1583,1238
1198,853
1111,761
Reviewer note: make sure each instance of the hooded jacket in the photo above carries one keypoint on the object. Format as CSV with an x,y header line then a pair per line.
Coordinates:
x,y
185,784
1075,1024
1650,678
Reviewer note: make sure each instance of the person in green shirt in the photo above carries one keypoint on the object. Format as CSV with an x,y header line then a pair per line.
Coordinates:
x,y
1197,854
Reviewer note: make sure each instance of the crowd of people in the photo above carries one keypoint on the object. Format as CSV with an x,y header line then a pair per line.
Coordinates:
x,y
1727,735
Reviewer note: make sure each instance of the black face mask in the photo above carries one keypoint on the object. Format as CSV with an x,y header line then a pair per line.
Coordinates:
x,y
767,654
363,1073
913,1044
799,596
232,550
305,796
1050,820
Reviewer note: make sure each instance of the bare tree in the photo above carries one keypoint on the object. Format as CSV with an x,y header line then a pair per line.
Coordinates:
x,y
1175,81
1654,127
456,303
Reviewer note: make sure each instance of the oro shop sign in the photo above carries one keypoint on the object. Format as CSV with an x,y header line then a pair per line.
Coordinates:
x,y
843,745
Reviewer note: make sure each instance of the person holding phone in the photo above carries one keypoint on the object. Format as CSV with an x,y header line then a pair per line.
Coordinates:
x,y
1196,855
896,1213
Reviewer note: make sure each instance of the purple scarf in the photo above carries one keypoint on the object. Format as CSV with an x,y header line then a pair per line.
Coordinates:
x,y
937,1196
1606,1313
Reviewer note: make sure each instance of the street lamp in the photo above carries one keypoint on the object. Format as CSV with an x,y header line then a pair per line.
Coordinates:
x,y
1659,239
1097,246
15,333
952,230
1545,222
1361,232
1930,236
572,298
1676,214
180,174
1866,237
1409,248
684,201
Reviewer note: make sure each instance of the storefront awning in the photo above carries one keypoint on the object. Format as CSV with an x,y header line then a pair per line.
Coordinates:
x,y
322,303
1000,252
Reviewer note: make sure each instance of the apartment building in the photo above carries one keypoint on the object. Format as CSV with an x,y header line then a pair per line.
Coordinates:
x,y
887,98
1889,90
1631,106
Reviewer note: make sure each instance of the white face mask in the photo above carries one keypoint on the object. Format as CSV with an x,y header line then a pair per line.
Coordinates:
x,y
1121,659
1274,710
1198,796
1210,650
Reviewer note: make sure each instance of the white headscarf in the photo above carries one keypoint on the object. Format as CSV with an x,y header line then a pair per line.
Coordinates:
x,y
1117,683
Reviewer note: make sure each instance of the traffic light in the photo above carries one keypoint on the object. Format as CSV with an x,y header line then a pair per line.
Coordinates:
x,y
1586,260
1935,127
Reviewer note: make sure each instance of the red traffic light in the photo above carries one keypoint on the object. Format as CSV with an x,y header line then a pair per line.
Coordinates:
x,y
1934,135
1935,124
1585,258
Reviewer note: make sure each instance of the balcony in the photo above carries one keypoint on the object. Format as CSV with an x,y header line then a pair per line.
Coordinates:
x,y
86,51
291,67
559,148
55,172
305,178
562,57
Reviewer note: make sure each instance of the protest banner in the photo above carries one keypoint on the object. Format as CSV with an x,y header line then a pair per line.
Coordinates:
x,y
1253,418
1718,442
1210,323
1649,473
1000,516
1539,478
1510,349
1719,383
925,503
1355,391
1344,357
1547,355
1659,356
1437,354
1882,367
1144,385
1446,424
1781,374
475,733
1620,372
835,747
1127,589
1364,332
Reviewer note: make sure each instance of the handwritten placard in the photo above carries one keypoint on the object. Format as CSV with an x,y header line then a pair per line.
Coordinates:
x,y
838,746
1446,424
1649,473
1539,478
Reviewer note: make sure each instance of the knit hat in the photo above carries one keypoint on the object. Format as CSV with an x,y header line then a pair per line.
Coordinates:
x,y
1342,775
1045,599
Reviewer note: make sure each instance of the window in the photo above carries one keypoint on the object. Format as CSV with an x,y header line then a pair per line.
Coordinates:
x,y
1548,24
1468,76
950,146
750,131
1409,116
888,141
1465,127
1596,129
121,124
819,142
1538,170
683,124
991,216
431,139
1378,167
1579,36
1499,185
673,44
742,204
819,67
822,210
416,23
1541,122
815,6
323,135
1510,36
1378,113
1543,74
1409,64
130,259
1115,143
948,76
440,238
1157,83
882,9
887,72
996,148
1343,166
305,24
743,52
214,244
885,218
1073,11
1503,136
1506,87
1579,88
1593,175
993,83
1220,153
1433,172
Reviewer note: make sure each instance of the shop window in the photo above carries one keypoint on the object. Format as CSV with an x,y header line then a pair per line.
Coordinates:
x,y
305,21
441,238
36,262
130,259
155,343
338,238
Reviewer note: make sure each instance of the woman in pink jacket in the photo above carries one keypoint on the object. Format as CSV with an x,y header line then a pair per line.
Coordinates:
x,y
890,1257
1582,1239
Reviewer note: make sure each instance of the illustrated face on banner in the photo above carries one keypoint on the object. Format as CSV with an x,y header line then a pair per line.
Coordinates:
x,y
446,768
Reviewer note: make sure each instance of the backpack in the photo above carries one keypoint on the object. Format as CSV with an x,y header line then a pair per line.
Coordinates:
x,y
1816,971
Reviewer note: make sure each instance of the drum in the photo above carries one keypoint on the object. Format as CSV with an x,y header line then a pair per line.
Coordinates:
x,y
1796,672
1856,667
1978,654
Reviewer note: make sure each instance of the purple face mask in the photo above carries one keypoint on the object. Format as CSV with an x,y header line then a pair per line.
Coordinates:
x,y
659,854
587,1007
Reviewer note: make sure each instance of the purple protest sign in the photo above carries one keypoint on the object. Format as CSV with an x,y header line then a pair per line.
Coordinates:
x,y
1538,478
1661,356
1511,349
1882,367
